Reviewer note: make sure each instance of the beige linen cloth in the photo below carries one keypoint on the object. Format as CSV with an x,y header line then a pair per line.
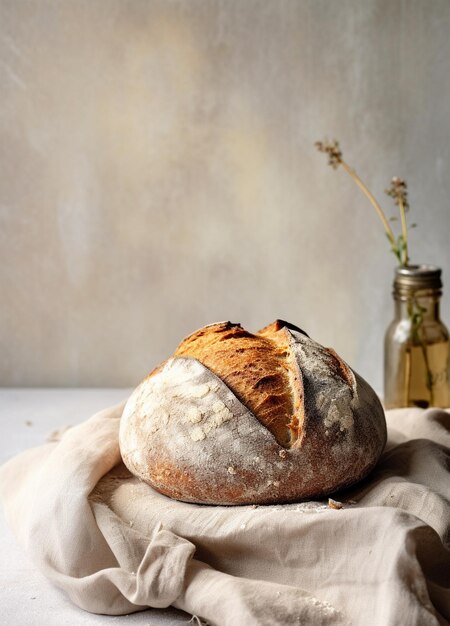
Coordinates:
x,y
116,546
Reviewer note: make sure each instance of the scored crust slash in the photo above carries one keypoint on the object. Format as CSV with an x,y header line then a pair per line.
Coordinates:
x,y
240,418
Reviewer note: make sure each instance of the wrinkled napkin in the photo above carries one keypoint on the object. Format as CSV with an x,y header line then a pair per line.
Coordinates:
x,y
116,546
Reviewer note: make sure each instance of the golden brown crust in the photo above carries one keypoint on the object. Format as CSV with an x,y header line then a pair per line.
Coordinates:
x,y
241,418
279,333
254,367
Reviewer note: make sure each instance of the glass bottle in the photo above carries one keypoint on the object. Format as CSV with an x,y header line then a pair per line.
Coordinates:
x,y
416,346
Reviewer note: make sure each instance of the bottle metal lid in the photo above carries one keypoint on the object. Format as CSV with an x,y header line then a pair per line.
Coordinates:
x,y
413,278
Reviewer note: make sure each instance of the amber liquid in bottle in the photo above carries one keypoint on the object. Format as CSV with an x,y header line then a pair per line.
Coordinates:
x,y
423,390
416,367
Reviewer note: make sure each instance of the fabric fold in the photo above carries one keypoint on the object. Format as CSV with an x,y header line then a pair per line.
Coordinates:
x,y
116,546
228,600
103,565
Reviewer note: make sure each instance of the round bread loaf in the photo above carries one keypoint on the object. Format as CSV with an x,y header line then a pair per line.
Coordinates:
x,y
241,418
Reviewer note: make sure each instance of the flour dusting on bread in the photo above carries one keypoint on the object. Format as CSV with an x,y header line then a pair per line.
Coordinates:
x,y
191,436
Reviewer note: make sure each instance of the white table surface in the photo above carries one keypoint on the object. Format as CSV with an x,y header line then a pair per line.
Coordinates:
x,y
27,417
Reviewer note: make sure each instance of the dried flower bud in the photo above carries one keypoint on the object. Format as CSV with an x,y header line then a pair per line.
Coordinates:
x,y
399,191
333,150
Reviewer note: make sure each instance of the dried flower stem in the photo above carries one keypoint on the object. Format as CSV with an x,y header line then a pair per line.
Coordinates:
x,y
405,257
373,201
397,190
419,337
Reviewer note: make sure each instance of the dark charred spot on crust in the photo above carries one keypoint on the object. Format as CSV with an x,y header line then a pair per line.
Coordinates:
x,y
284,324
278,325
233,325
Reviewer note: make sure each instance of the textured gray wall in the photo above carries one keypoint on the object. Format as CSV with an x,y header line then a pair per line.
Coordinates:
x,y
157,172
